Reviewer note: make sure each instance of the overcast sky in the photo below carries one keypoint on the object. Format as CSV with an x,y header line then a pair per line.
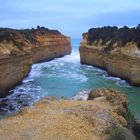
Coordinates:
x,y
71,17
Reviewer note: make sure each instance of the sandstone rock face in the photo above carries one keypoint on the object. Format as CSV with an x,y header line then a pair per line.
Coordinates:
x,y
51,47
120,61
12,71
19,49
69,119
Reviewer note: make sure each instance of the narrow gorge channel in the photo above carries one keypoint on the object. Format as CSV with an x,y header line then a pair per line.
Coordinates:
x,y
64,77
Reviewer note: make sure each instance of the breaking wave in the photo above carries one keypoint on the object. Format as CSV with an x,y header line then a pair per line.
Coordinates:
x,y
61,77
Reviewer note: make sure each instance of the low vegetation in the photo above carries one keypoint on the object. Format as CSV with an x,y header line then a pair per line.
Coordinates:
x,y
130,118
122,35
8,34
117,134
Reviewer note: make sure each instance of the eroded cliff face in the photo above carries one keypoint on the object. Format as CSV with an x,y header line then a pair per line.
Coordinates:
x,y
94,119
119,59
12,71
52,45
19,49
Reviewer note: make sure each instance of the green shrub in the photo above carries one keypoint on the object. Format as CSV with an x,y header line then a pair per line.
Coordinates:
x,y
130,118
117,134
122,35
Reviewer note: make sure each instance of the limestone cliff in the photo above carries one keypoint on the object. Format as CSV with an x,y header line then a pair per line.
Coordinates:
x,y
115,50
19,49
95,119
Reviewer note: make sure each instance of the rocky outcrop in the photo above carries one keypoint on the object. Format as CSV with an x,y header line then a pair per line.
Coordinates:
x,y
101,117
108,49
19,49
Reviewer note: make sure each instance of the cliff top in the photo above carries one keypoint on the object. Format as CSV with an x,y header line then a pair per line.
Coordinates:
x,y
9,34
15,42
122,35
69,119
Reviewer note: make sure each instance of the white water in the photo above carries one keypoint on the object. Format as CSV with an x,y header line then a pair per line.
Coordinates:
x,y
65,77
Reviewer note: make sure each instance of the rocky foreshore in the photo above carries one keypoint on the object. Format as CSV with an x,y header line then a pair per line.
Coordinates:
x,y
19,49
103,116
116,50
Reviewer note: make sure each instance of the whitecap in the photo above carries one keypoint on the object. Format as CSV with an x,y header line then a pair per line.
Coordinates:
x,y
118,81
111,77
73,58
82,95
27,80
123,83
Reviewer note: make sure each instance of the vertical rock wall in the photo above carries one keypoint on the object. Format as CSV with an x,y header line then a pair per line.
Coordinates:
x,y
19,49
121,60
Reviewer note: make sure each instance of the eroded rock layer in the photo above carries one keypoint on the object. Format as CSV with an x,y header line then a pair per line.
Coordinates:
x,y
19,49
115,50
95,119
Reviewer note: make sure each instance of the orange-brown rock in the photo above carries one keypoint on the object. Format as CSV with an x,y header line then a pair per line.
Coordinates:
x,y
53,45
69,119
19,49
12,71
119,60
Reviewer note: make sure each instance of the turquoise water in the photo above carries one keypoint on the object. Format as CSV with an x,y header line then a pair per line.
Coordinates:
x,y
65,77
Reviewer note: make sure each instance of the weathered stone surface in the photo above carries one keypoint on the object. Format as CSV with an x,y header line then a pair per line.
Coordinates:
x,y
69,119
19,49
12,71
57,48
120,61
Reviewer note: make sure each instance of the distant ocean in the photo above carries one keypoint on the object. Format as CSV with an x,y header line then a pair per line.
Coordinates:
x,y
64,77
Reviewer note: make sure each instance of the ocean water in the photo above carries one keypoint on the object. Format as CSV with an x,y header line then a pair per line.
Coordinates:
x,y
64,77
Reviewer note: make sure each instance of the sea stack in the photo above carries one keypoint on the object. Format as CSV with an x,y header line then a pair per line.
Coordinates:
x,y
117,50
19,49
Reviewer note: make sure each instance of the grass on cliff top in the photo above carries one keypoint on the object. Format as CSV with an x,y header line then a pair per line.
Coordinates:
x,y
130,118
117,134
122,35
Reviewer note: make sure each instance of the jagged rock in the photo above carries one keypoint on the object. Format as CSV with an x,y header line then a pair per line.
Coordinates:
x,y
119,101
